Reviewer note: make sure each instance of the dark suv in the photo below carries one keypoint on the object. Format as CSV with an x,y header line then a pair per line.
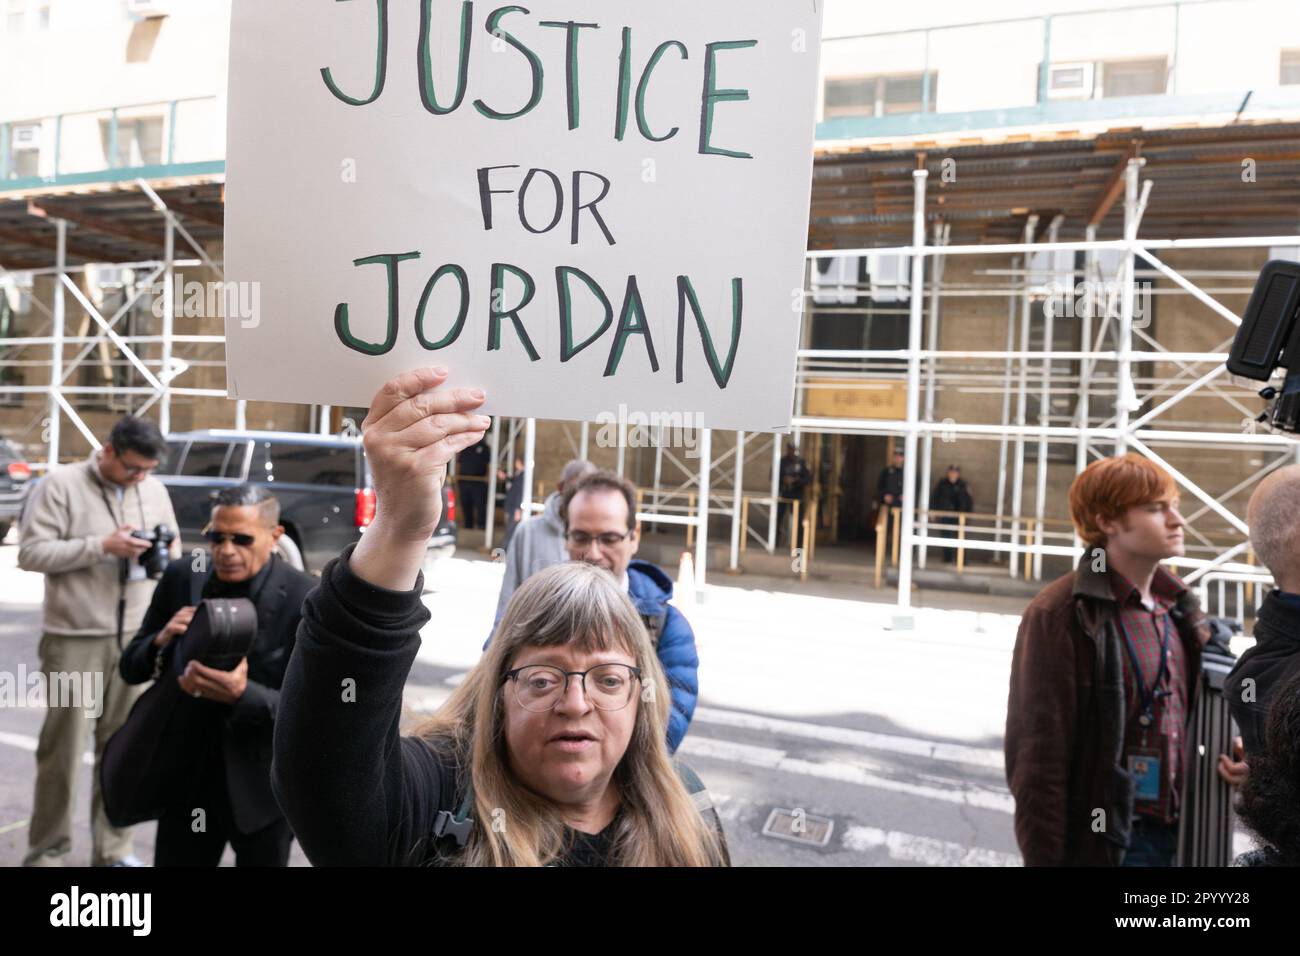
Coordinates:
x,y
15,479
321,481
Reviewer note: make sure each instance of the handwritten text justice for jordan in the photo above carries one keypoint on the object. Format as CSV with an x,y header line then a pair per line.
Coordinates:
x,y
586,190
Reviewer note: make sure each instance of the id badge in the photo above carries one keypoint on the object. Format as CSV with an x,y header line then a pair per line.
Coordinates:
x,y
1146,766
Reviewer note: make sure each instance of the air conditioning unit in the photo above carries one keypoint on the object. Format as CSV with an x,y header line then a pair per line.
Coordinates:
x,y
27,136
146,9
1070,81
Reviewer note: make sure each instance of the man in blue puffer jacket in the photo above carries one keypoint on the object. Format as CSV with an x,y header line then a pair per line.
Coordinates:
x,y
599,514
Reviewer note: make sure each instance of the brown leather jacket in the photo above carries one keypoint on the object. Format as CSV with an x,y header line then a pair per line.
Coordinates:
x,y
1065,719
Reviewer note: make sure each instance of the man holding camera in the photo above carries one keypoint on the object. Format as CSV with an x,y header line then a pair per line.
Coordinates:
x,y
87,528
232,780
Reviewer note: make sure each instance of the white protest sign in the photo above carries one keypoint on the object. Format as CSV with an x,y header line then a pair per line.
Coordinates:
x,y
575,205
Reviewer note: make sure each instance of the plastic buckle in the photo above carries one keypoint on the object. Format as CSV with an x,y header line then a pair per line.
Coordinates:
x,y
446,824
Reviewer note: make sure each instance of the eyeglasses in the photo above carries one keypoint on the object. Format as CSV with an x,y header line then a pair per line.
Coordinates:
x,y
610,539
221,537
539,687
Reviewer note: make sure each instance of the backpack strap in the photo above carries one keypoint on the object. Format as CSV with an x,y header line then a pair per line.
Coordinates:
x,y
700,795
654,625
458,825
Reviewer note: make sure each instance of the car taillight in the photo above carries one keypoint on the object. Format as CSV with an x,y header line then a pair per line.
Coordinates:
x,y
451,504
19,471
364,512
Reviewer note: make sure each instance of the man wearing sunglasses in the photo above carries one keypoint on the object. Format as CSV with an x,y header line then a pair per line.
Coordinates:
x,y
233,785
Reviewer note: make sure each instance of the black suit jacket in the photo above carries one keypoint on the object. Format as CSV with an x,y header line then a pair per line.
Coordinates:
x,y
241,732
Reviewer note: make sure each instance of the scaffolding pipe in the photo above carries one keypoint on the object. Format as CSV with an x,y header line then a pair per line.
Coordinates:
x,y
1125,398
168,327
530,450
776,491
932,343
1006,409
1022,404
490,512
738,493
1044,408
702,518
56,350
919,177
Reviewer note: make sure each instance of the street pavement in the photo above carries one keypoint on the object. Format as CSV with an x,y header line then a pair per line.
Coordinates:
x,y
888,728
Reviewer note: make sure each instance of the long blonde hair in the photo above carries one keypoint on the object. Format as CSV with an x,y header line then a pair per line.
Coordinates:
x,y
581,605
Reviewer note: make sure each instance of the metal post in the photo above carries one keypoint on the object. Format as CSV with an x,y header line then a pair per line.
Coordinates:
x,y
530,449
325,412
1124,345
932,344
1092,285
737,495
919,177
491,511
582,445
1006,408
168,326
702,539
241,415
1022,401
1044,407
776,490
659,470
56,340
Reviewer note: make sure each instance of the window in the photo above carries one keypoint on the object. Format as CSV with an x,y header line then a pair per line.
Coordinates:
x,y
304,464
15,303
171,464
1134,77
1290,67
880,95
213,459
139,141
15,15
24,150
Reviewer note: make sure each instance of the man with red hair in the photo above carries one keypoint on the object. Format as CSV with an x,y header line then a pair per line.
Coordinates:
x,y
1103,679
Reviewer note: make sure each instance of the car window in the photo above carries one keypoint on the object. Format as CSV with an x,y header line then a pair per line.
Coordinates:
x,y
171,464
286,463
213,459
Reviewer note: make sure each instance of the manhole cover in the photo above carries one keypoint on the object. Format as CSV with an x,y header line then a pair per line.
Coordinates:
x,y
798,827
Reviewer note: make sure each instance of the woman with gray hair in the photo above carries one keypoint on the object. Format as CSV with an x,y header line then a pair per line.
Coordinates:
x,y
550,752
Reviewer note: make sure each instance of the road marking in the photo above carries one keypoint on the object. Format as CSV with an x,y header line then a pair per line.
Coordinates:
x,y
24,742
773,759
893,743
17,824
907,848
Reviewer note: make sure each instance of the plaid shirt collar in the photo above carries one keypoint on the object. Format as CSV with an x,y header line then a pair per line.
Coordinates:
x,y
1163,591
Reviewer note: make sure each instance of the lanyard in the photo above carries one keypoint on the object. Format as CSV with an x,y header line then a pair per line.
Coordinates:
x,y
1148,697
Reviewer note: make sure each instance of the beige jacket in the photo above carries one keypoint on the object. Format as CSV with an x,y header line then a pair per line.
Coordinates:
x,y
68,515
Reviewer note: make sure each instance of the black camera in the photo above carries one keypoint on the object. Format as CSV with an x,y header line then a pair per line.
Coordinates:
x,y
1269,338
159,553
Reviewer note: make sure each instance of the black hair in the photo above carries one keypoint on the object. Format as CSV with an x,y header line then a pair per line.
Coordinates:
x,y
139,435
250,496
1270,797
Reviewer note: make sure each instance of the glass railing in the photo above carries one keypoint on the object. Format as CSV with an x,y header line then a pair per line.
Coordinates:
x,y
148,139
